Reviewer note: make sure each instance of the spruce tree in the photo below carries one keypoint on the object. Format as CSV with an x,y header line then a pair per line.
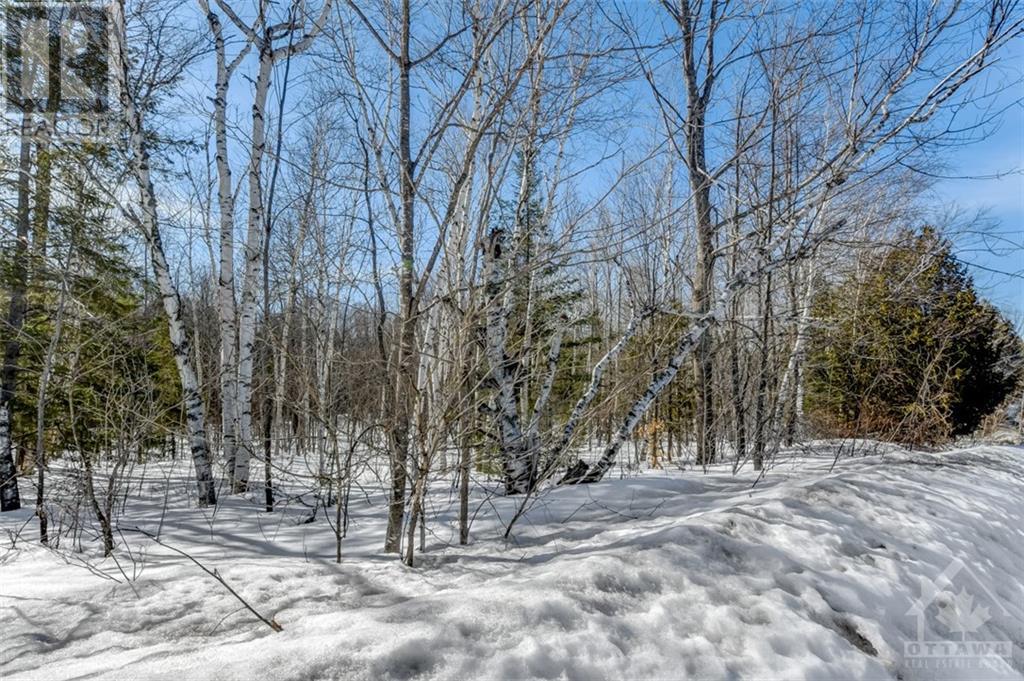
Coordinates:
x,y
909,351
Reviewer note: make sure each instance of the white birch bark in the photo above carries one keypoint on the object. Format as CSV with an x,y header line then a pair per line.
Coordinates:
x,y
596,378
8,472
544,393
790,377
252,275
262,36
513,455
226,278
149,223
455,302
690,340
428,375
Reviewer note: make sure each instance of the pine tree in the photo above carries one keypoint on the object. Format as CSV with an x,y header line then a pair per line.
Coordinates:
x,y
919,357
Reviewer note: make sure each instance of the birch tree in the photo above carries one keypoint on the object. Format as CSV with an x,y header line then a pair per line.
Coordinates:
x,y
226,307
486,26
266,39
148,220
886,105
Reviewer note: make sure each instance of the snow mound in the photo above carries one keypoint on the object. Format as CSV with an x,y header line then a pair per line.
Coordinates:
x,y
901,566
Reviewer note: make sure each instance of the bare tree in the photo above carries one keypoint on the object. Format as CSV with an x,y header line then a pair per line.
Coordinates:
x,y
148,222
486,26
888,104
266,38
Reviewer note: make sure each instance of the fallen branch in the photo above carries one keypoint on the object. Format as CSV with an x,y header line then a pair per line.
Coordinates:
x,y
272,623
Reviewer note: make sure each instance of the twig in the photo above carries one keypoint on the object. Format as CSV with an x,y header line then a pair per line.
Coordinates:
x,y
128,580
272,623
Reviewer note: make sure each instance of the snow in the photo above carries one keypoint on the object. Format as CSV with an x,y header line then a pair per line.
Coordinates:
x,y
811,573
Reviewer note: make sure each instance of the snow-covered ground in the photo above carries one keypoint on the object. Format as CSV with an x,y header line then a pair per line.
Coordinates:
x,y
856,572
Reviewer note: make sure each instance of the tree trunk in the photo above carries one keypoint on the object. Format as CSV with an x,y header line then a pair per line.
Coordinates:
x,y
513,454
698,93
405,365
226,278
791,386
464,466
149,223
253,260
10,499
596,377
283,351
703,286
41,219
761,425
689,341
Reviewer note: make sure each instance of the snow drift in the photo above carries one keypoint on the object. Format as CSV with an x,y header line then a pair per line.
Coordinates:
x,y
903,565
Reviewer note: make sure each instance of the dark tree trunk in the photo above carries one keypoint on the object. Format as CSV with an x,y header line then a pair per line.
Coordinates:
x,y
10,500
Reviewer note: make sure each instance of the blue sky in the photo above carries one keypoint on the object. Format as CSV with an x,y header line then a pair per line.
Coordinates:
x,y
986,177
995,168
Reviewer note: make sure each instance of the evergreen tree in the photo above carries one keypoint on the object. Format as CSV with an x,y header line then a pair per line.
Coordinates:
x,y
909,351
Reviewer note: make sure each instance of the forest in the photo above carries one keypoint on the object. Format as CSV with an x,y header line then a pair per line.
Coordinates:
x,y
303,297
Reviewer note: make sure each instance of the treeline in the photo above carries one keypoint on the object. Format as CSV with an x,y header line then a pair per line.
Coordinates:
x,y
519,239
